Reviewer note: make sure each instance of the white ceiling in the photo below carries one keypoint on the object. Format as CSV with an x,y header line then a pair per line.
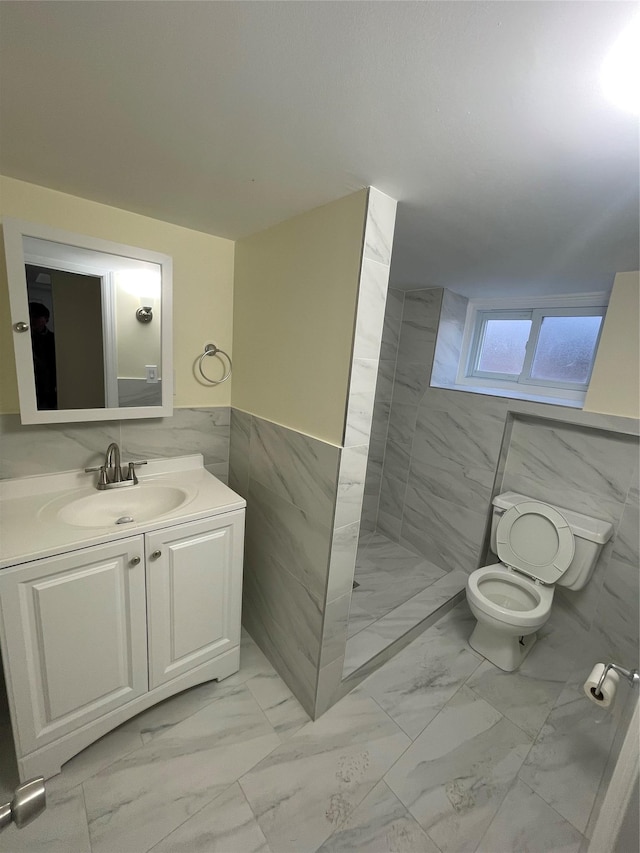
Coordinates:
x,y
484,119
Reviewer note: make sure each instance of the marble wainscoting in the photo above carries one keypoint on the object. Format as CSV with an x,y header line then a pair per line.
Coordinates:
x,y
48,448
595,472
289,481
139,392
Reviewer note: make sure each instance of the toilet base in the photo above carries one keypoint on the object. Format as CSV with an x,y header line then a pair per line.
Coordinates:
x,y
504,651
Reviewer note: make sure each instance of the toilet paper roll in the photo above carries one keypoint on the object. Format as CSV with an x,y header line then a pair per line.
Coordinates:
x,y
608,690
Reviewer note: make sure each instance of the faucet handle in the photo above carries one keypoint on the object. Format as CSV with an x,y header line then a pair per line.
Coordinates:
x,y
131,474
102,479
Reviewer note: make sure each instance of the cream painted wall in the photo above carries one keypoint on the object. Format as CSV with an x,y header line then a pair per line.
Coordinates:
x,y
615,384
295,296
202,280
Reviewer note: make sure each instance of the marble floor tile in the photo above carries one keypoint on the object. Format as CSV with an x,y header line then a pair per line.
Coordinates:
x,y
138,800
278,703
97,756
525,700
226,825
456,773
418,682
568,758
61,828
361,648
380,823
358,619
382,591
253,661
237,766
164,716
311,784
396,590
401,619
526,824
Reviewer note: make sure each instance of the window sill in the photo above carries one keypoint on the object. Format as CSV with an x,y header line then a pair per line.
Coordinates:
x,y
510,394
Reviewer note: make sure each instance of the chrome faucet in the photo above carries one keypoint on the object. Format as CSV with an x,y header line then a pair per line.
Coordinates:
x,y
110,474
112,464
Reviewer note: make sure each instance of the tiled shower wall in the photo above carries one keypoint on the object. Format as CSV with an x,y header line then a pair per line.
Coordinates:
x,y
48,448
441,455
447,452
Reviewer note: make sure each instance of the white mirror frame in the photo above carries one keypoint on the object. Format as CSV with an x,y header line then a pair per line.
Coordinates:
x,y
14,231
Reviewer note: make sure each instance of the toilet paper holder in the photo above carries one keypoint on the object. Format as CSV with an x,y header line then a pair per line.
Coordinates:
x,y
632,676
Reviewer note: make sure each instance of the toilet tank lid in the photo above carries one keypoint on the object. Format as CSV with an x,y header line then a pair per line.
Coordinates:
x,y
581,525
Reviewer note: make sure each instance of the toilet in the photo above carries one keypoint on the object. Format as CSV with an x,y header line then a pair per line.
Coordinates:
x,y
539,546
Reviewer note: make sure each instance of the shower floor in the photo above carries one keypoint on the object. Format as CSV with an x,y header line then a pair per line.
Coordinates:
x,y
396,590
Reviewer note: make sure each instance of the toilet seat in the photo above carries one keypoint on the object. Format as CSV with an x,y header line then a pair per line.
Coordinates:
x,y
533,618
535,539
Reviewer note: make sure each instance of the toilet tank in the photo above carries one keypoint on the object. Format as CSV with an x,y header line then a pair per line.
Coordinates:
x,y
590,535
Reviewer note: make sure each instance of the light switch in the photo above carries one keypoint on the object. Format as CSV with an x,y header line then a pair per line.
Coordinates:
x,y
152,373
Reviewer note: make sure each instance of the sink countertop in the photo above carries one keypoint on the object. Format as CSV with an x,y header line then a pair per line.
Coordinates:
x,y
29,532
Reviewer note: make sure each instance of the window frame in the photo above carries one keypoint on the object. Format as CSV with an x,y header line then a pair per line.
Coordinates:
x,y
478,312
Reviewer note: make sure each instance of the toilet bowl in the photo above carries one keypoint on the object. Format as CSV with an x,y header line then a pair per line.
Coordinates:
x,y
509,608
539,545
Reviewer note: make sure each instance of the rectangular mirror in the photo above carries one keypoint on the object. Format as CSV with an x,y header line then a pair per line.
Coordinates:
x,y
91,326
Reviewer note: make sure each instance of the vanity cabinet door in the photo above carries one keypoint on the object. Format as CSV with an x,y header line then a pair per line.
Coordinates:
x,y
73,637
194,591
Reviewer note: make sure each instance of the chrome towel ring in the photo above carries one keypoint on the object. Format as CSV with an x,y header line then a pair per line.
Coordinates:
x,y
212,349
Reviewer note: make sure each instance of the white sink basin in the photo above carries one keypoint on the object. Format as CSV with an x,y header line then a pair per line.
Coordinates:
x,y
121,506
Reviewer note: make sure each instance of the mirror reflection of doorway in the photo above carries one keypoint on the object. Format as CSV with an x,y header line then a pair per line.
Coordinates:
x,y
69,374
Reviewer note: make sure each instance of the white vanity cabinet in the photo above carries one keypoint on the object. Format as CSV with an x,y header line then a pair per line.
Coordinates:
x,y
74,638
193,597
94,636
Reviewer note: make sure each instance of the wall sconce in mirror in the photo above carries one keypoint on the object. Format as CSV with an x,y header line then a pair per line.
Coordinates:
x,y
144,314
85,356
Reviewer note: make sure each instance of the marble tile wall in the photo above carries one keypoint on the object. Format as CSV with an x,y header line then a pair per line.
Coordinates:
x,y
382,408
447,452
47,448
441,456
595,472
289,481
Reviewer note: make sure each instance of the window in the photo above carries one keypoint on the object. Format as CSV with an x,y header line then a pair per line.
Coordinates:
x,y
535,351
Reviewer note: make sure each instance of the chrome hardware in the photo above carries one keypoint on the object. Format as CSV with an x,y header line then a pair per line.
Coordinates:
x,y
112,463
212,349
21,327
144,314
126,519
103,482
131,473
632,676
134,561
156,554
111,475
29,800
